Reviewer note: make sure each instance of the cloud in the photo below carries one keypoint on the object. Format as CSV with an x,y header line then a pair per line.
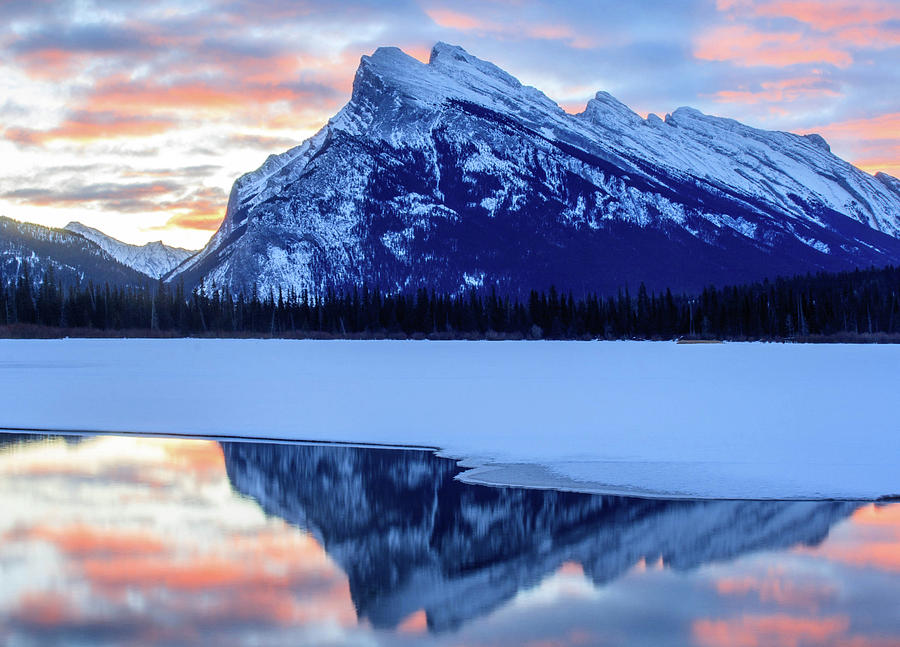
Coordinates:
x,y
822,16
203,209
746,46
879,555
194,96
198,171
541,30
781,91
83,540
779,630
817,32
456,20
86,126
262,142
45,610
778,589
110,195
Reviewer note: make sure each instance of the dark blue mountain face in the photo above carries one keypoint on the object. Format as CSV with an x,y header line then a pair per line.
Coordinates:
x,y
410,536
452,175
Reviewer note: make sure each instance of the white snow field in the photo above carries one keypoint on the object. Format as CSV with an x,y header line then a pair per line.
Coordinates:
x,y
656,419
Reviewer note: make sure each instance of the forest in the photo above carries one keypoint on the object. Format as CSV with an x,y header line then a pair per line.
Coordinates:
x,y
862,305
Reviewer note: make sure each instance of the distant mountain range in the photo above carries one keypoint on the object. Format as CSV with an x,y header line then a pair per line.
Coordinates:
x,y
410,536
72,258
452,174
153,259
78,255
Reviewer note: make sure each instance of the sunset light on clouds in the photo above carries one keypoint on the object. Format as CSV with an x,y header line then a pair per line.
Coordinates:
x,y
136,118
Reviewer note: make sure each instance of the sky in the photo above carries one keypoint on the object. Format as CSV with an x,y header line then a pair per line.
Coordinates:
x,y
136,117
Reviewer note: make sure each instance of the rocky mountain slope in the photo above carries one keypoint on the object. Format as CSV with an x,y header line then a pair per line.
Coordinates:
x,y
153,259
453,174
73,259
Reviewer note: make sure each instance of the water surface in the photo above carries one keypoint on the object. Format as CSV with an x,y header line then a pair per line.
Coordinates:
x,y
131,540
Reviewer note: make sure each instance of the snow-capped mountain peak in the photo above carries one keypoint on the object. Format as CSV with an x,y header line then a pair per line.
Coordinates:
x,y
452,173
153,259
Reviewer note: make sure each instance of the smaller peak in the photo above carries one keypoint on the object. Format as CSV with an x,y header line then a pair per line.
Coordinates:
x,y
686,114
687,111
442,49
819,141
604,106
605,97
389,60
77,228
455,62
892,183
388,53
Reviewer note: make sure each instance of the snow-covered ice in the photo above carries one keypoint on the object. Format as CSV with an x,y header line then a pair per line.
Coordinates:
x,y
708,421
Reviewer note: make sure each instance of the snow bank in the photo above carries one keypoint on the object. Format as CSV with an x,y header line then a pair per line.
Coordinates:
x,y
713,421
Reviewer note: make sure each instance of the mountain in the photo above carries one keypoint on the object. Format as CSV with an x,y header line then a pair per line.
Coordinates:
x,y
410,536
453,174
73,259
153,259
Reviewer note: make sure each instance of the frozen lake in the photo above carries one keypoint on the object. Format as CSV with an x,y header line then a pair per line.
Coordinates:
x,y
773,421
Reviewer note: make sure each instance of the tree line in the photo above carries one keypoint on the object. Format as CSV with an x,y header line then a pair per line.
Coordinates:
x,y
862,304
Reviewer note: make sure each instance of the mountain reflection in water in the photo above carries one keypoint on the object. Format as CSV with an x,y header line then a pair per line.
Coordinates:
x,y
162,541
410,536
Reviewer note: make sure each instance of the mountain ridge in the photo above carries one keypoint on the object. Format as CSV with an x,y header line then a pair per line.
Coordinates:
x,y
155,259
452,174
73,259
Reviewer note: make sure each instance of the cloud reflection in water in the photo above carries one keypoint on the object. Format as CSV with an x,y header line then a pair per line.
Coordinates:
x,y
112,540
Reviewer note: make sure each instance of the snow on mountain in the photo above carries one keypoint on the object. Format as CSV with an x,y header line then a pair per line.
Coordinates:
x,y
72,258
452,173
153,259
410,536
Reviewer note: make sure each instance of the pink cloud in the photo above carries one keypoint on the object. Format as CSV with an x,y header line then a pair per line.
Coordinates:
x,y
89,125
455,20
203,210
743,45
451,19
826,32
779,630
826,16
780,91
776,588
